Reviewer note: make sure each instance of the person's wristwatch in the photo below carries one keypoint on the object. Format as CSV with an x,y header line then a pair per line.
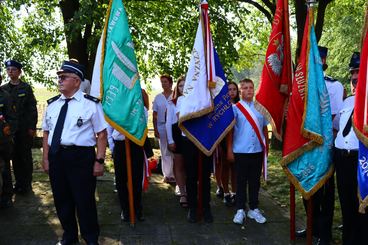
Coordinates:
x,y
100,161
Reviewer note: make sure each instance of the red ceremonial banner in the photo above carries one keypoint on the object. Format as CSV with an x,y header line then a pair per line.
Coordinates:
x,y
275,84
294,141
360,117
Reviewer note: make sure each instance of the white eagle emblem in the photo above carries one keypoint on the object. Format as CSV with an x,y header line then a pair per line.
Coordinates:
x,y
275,60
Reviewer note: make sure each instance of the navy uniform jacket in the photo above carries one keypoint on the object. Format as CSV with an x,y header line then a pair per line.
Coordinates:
x,y
24,103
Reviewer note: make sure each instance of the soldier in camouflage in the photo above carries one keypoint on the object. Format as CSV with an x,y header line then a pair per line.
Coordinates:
x,y
7,129
24,103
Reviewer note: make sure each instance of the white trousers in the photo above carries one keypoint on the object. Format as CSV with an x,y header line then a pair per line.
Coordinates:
x,y
166,155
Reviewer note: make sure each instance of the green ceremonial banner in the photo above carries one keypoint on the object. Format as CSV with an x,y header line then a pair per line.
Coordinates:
x,y
121,90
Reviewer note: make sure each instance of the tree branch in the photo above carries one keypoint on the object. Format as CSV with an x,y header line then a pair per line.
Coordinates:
x,y
322,5
268,15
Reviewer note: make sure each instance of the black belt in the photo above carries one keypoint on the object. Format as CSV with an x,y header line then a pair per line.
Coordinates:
x,y
344,152
74,147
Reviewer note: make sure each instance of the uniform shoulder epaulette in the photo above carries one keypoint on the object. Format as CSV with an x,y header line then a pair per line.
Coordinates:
x,y
330,79
90,97
49,101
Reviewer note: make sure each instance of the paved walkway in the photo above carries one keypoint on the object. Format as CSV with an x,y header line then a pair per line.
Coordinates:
x,y
32,220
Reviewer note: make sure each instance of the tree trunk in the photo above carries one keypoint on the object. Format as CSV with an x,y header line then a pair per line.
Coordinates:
x,y
76,43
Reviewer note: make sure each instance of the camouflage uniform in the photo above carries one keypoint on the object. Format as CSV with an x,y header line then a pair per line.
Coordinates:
x,y
25,105
7,129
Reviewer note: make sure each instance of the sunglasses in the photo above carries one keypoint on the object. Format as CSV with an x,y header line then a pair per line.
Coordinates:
x,y
64,77
354,81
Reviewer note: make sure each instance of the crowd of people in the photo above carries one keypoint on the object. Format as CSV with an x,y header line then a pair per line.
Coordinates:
x,y
75,137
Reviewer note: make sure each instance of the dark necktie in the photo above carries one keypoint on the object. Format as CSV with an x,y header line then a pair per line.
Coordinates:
x,y
56,138
348,125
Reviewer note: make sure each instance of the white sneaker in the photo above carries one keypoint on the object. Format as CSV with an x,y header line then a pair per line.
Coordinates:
x,y
239,217
256,214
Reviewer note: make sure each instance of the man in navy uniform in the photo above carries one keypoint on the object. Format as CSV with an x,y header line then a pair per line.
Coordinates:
x,y
346,162
69,155
25,105
7,129
324,199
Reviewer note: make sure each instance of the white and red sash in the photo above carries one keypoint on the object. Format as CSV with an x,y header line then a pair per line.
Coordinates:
x,y
258,129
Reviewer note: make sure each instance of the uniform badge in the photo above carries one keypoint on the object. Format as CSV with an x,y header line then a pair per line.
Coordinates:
x,y
79,122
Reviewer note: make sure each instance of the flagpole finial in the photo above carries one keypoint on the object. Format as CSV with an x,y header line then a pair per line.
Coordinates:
x,y
311,3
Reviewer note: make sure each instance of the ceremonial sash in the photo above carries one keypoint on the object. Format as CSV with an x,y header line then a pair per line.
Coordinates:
x,y
252,119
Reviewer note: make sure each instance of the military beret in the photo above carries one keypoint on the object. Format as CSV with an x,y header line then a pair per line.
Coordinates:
x,y
354,61
13,63
72,67
322,51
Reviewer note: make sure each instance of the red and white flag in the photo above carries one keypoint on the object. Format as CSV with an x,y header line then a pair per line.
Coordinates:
x,y
275,86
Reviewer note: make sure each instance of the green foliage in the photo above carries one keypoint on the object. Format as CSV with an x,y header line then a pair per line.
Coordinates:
x,y
342,35
163,33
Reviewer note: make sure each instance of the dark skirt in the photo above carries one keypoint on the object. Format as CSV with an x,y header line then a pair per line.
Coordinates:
x,y
177,138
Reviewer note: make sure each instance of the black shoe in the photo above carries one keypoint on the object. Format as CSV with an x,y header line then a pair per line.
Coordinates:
x,y
233,199
22,190
207,216
65,242
220,192
227,200
124,216
301,233
323,242
6,204
192,216
140,216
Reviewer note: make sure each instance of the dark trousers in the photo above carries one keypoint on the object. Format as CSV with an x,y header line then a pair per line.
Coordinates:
x,y
22,160
248,173
355,224
191,157
323,202
73,186
7,188
121,177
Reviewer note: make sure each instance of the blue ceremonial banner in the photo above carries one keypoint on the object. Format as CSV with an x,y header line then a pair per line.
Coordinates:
x,y
205,114
363,176
207,131
309,165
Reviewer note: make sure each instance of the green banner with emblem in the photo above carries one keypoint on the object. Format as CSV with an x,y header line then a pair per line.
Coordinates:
x,y
120,85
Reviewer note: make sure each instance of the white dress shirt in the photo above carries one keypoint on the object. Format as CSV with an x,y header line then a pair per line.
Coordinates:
x,y
350,141
84,119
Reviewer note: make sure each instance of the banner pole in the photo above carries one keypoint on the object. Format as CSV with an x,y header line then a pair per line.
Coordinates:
x,y
130,182
292,212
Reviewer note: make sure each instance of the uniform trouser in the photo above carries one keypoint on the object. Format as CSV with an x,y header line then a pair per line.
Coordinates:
x,y
248,173
167,163
22,160
355,225
7,189
323,202
191,154
121,177
2,165
73,187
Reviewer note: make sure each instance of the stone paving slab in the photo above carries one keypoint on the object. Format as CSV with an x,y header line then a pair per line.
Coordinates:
x,y
33,220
